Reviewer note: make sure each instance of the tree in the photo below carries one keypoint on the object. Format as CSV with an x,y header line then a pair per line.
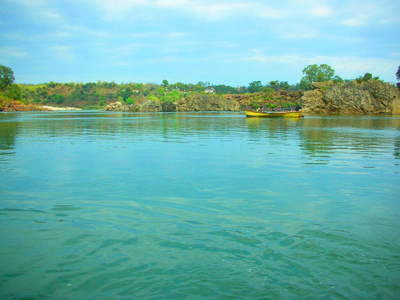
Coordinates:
x,y
165,83
6,78
316,73
255,87
274,84
366,77
398,73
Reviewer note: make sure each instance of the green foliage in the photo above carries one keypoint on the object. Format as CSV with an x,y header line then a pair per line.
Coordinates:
x,y
14,92
6,77
130,100
225,89
196,87
171,97
398,73
255,87
165,83
366,77
316,73
268,92
154,98
7,87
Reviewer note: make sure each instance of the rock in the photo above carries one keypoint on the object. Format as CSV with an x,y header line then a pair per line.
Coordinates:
x,y
147,105
7,106
206,102
115,106
168,107
321,85
371,97
313,101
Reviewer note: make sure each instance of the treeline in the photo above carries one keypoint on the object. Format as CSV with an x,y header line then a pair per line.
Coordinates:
x,y
98,94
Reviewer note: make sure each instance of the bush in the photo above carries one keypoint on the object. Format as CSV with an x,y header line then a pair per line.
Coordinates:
x,y
130,100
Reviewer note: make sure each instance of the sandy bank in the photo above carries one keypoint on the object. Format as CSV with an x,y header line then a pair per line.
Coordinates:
x,y
52,108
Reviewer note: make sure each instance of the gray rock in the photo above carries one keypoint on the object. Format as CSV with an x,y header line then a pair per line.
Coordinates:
x,y
371,97
168,107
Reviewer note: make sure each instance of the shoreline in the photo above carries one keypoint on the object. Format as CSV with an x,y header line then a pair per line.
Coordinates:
x,y
53,108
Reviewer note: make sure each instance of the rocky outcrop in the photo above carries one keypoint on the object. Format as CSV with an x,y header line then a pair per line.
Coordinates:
x,y
206,102
7,106
195,102
168,106
146,106
371,97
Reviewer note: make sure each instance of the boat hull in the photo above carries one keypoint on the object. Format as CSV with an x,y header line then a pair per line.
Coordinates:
x,y
284,114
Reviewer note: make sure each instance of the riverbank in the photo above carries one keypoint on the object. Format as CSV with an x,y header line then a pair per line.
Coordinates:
x,y
9,106
53,108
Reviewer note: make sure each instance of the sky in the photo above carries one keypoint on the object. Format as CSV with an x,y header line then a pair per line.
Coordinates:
x,y
231,42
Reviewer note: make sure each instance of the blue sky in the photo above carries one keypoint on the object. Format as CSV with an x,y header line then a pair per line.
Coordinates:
x,y
230,42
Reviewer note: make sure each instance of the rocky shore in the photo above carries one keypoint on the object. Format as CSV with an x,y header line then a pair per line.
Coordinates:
x,y
200,102
371,97
19,106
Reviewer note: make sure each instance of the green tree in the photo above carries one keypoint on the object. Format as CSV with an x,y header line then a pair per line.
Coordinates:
x,y
255,87
316,73
14,92
165,83
366,77
398,73
274,84
130,100
6,77
171,97
181,86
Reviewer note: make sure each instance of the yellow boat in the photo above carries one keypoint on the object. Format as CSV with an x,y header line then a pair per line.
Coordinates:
x,y
262,114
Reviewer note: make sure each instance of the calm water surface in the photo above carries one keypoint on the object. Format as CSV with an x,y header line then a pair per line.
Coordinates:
x,y
97,205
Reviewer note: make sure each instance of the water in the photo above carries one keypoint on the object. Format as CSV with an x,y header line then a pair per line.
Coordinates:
x,y
99,205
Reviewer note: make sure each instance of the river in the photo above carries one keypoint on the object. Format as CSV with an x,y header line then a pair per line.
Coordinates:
x,y
105,205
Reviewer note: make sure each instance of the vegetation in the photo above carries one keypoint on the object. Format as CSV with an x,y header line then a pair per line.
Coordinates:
x,y
317,73
275,94
366,77
8,89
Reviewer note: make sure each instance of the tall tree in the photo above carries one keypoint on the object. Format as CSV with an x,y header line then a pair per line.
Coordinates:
x,y
6,77
316,73
255,87
398,73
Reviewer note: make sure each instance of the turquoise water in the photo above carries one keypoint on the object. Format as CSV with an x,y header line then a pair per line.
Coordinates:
x,y
99,205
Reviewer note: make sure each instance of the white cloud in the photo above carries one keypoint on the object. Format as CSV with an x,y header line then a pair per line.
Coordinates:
x,y
355,21
41,12
268,12
63,52
12,51
321,11
344,66
215,10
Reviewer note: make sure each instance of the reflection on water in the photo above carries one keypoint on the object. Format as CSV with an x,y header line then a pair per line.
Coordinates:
x,y
100,205
8,132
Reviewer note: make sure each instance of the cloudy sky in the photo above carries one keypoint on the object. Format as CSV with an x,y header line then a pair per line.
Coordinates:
x,y
222,41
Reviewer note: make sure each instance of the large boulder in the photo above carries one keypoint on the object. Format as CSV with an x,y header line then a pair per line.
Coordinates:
x,y
147,105
206,102
168,106
371,97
